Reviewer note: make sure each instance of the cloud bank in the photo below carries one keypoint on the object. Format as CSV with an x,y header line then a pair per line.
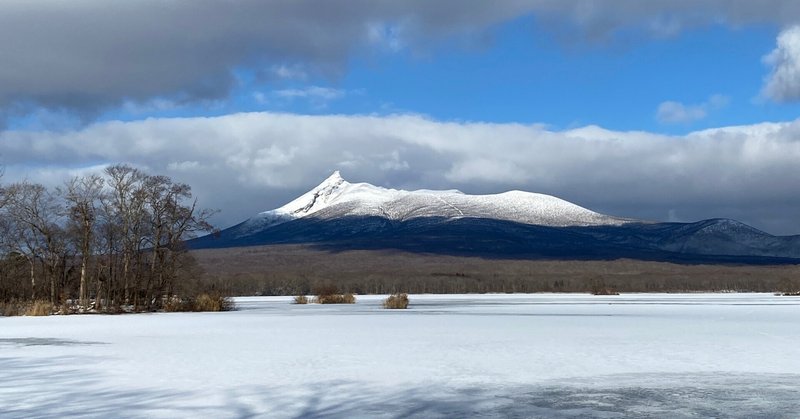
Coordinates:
x,y
251,162
83,56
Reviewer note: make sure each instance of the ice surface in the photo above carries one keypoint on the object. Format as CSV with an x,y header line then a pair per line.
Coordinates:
x,y
545,355
335,197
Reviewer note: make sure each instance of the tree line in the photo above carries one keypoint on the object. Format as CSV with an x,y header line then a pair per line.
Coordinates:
x,y
99,242
288,282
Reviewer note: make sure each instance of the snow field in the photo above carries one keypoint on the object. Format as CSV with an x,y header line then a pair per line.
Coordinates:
x,y
554,355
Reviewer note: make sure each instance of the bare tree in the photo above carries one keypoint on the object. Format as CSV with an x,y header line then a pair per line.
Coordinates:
x,y
34,215
109,245
174,218
82,195
126,206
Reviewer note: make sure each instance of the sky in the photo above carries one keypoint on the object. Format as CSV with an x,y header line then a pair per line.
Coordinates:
x,y
660,110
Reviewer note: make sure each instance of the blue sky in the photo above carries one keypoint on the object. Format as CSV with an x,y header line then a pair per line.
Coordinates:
x,y
521,74
662,110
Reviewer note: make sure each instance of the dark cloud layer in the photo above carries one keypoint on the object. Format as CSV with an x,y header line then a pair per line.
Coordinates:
x,y
88,55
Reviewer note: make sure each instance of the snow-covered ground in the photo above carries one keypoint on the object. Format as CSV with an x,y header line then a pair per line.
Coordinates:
x,y
659,355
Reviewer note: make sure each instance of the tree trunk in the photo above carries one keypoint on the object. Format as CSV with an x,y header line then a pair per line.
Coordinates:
x,y
98,302
125,269
85,249
33,278
53,287
83,296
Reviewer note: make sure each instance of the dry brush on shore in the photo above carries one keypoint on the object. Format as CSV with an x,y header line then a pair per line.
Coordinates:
x,y
295,270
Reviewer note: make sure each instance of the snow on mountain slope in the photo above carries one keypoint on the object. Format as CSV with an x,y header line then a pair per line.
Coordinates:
x,y
335,197
360,215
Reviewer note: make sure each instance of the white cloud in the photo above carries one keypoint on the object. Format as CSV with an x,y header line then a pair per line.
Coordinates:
x,y
671,112
311,92
317,97
289,72
250,162
394,162
783,82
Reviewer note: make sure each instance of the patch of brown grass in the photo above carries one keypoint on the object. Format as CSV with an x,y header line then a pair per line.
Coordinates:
x,y
598,286
604,291
39,308
335,299
328,293
178,305
396,301
26,308
789,287
12,308
204,302
213,302
301,299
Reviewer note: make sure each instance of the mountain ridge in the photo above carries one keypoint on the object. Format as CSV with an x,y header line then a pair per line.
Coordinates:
x,y
364,199
344,215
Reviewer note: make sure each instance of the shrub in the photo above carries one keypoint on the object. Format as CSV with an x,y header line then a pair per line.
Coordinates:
x,y
66,308
597,286
213,302
301,299
328,293
396,301
115,308
335,299
175,304
39,308
604,291
204,302
26,308
12,308
789,287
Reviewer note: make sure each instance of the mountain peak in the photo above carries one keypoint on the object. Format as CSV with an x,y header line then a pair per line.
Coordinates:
x,y
332,181
337,198
335,177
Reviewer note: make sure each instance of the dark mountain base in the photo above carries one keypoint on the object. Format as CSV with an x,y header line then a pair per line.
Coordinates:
x,y
296,269
717,241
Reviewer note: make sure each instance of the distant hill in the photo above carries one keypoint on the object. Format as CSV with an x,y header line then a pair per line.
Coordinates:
x,y
342,215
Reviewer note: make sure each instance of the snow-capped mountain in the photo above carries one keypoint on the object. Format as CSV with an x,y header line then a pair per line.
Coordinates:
x,y
343,215
338,198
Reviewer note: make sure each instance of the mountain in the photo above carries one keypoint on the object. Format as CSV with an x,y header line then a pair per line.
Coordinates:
x,y
340,215
337,198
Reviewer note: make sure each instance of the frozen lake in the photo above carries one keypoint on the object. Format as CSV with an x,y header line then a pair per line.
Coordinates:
x,y
543,355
